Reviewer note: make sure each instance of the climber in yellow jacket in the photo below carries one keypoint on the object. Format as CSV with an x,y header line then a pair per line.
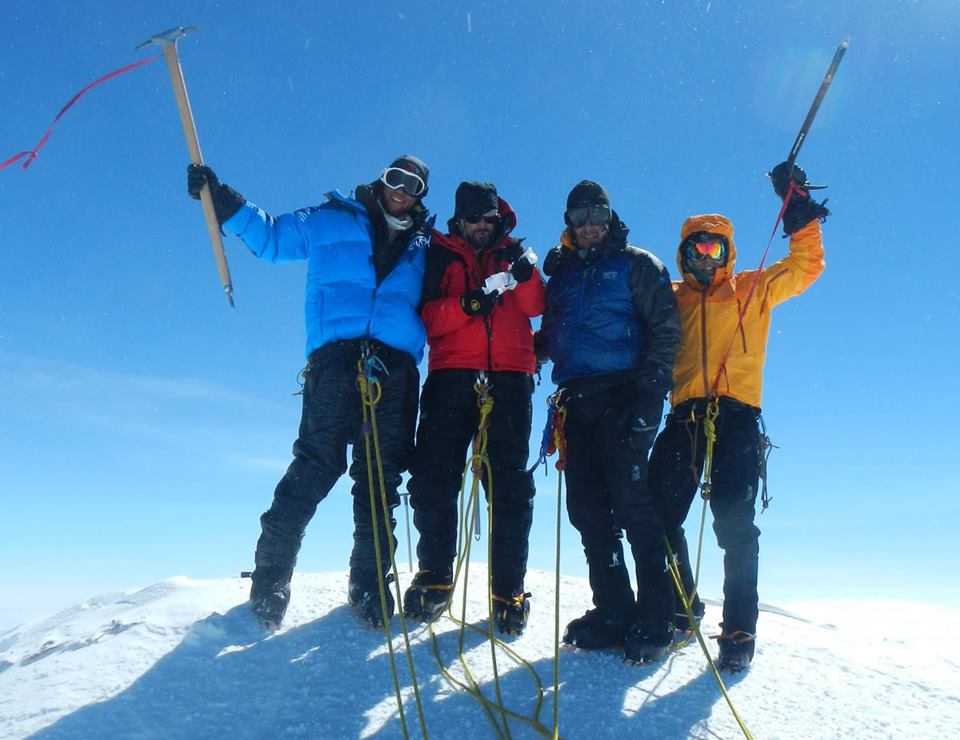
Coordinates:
x,y
725,317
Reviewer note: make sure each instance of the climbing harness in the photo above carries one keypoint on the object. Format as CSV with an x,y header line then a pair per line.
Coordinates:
x,y
371,391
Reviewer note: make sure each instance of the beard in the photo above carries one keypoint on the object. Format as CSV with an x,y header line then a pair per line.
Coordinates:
x,y
480,239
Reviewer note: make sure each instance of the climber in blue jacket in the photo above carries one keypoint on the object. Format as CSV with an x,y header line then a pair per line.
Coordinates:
x,y
365,263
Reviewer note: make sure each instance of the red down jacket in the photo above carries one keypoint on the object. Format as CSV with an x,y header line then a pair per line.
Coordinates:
x,y
503,340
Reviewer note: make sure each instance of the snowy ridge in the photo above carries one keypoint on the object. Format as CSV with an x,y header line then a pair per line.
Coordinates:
x,y
183,659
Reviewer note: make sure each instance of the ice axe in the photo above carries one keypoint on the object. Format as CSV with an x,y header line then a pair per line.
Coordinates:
x,y
167,41
814,107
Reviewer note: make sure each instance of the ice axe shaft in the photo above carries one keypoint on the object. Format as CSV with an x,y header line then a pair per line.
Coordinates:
x,y
812,113
168,42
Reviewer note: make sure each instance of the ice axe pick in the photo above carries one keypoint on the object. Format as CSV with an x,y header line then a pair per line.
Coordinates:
x,y
167,41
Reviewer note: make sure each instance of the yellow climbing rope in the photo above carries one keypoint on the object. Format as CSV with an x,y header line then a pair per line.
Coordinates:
x,y
559,444
706,483
479,465
687,602
371,391
710,432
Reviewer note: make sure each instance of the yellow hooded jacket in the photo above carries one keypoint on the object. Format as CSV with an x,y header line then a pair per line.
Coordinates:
x,y
709,314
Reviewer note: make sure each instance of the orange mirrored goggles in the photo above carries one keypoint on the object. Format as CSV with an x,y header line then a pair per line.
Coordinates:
x,y
701,246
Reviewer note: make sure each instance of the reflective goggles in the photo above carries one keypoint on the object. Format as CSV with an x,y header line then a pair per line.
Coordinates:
x,y
493,220
396,178
597,215
701,246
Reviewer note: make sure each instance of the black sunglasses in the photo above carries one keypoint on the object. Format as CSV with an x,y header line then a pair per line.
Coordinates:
x,y
492,220
597,215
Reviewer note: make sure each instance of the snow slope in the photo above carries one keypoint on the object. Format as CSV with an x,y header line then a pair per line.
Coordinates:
x,y
183,659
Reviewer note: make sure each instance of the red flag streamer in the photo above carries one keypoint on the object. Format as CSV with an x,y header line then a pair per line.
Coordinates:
x,y
32,153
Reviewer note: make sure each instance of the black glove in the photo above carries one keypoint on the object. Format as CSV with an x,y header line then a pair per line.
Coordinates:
x,y
642,420
477,303
226,200
801,209
781,176
512,252
520,268
654,380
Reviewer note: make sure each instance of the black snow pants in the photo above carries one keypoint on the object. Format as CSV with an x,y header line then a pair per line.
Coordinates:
x,y
606,477
449,417
675,469
331,420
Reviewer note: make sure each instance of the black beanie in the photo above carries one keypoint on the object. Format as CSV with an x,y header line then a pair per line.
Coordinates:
x,y
475,199
413,164
587,193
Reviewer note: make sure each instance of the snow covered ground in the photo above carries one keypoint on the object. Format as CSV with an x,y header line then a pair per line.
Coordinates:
x,y
183,659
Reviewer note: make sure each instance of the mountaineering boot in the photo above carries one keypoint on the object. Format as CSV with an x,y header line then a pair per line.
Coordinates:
x,y
510,615
427,596
363,594
595,630
736,651
270,595
646,643
651,633
605,625
681,621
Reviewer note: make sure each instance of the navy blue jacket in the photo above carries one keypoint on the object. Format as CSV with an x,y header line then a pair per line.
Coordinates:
x,y
344,299
609,310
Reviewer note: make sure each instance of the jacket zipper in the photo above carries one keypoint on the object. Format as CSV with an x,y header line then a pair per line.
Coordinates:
x,y
487,324
743,335
488,319
581,296
703,342
373,303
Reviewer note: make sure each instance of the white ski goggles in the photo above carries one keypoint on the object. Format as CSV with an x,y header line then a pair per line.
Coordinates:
x,y
396,178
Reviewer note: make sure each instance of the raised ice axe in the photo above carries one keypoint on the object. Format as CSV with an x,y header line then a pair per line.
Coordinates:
x,y
167,41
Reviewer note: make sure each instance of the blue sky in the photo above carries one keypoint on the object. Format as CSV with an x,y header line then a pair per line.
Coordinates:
x,y
144,424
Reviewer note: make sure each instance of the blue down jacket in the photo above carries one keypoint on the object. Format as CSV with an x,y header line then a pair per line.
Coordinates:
x,y
609,311
343,299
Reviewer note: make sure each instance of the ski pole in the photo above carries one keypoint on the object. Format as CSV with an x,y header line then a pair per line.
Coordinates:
x,y
167,41
812,113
